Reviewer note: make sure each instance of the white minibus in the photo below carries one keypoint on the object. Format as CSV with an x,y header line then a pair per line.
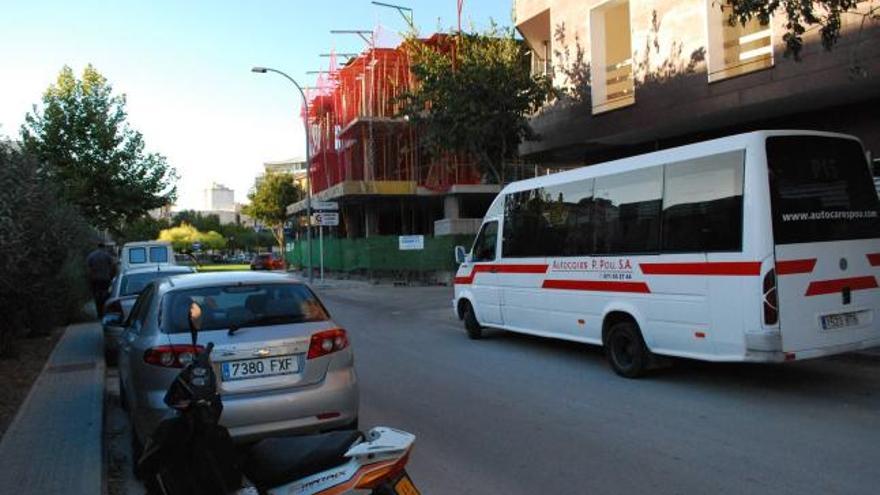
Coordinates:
x,y
759,247
146,253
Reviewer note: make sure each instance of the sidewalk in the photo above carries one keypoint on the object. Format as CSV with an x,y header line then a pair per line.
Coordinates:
x,y
54,443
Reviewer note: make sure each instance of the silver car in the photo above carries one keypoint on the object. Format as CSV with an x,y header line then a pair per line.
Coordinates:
x,y
282,365
124,291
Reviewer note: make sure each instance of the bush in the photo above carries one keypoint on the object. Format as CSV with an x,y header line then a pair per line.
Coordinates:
x,y
43,242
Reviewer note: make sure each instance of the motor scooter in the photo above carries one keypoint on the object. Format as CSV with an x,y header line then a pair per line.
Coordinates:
x,y
191,453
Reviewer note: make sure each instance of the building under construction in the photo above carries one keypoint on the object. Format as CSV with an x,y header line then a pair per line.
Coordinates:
x,y
370,160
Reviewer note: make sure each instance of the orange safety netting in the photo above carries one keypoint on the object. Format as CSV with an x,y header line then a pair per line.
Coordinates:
x,y
355,132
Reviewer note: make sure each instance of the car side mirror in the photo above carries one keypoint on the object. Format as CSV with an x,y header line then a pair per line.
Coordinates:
x,y
112,320
460,255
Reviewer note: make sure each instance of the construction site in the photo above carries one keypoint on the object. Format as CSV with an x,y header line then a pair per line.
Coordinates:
x,y
371,162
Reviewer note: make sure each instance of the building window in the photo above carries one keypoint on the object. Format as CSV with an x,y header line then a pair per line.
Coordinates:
x,y
611,56
541,60
736,50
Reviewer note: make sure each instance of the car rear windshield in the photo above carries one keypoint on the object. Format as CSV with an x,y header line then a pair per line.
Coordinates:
x,y
821,189
237,306
134,283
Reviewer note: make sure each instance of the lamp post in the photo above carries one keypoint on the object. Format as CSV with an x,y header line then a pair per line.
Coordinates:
x,y
263,70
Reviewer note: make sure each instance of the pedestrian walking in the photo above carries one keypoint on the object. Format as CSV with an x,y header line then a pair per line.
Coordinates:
x,y
101,267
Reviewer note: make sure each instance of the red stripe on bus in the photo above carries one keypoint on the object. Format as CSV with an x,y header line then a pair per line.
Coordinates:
x,y
598,285
791,267
832,286
469,279
709,268
874,259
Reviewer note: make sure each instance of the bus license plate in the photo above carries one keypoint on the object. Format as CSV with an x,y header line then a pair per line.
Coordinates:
x,y
840,320
256,368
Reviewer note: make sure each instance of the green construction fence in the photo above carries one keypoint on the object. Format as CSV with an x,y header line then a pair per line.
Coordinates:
x,y
380,254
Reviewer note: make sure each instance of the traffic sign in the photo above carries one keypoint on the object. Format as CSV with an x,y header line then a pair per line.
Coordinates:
x,y
325,219
325,205
411,242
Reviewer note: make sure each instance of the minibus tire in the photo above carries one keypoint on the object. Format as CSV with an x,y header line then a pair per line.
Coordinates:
x,y
471,325
626,350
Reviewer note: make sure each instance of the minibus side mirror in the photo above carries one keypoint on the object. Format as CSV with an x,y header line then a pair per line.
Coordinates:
x,y
460,255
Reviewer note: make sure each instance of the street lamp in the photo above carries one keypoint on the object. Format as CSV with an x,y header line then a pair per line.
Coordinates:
x,y
263,70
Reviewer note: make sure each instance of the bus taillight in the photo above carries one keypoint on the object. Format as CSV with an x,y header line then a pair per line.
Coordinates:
x,y
771,302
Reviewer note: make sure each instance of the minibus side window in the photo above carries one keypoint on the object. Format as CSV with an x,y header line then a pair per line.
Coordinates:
x,y
703,204
627,208
484,246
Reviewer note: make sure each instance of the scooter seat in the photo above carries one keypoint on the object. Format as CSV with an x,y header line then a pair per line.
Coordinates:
x,y
277,461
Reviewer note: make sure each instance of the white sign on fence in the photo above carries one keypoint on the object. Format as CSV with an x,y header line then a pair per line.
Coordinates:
x,y
325,219
325,205
411,242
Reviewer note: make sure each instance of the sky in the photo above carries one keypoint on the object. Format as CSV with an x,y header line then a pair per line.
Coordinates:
x,y
185,69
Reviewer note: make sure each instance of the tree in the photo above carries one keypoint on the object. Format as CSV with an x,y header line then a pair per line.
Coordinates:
x,y
81,137
246,238
199,220
145,228
801,16
473,95
183,236
269,201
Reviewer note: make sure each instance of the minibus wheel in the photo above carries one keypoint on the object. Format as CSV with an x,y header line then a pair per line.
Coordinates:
x,y
626,350
473,327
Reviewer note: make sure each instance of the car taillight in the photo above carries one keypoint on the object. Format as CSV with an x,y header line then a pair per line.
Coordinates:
x,y
326,342
113,307
171,356
771,301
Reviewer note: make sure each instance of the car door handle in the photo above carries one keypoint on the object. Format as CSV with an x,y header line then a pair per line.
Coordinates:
x,y
494,269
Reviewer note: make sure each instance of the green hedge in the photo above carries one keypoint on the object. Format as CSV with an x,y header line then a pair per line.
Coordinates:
x,y
43,243
381,253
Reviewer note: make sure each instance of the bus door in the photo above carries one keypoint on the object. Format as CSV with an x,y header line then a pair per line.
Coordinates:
x,y
484,274
825,228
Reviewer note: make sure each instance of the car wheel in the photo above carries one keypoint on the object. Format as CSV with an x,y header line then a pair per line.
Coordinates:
x,y
471,325
626,350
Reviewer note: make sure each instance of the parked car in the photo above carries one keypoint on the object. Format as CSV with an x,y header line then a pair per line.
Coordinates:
x,y
283,366
267,261
123,292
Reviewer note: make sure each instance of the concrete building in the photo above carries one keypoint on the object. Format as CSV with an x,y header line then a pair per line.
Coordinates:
x,y
642,75
294,166
219,198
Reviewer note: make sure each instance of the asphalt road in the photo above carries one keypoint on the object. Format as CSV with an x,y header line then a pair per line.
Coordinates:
x,y
521,415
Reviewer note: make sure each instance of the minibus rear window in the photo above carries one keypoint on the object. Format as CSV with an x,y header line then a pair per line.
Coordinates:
x,y
821,189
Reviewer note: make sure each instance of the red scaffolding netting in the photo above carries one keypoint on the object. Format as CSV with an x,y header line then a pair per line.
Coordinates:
x,y
356,133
